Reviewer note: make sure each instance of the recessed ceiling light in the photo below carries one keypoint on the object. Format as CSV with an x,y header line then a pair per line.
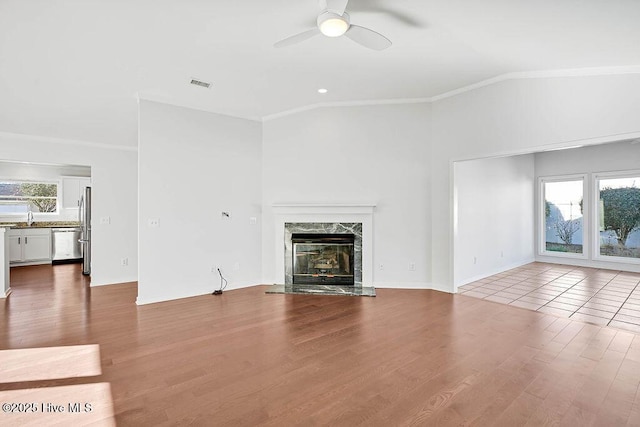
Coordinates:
x,y
322,90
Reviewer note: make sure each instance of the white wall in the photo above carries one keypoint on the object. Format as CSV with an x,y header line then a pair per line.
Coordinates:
x,y
494,209
113,171
520,116
192,166
619,156
349,155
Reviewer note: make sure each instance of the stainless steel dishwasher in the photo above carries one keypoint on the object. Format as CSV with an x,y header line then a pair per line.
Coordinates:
x,y
65,246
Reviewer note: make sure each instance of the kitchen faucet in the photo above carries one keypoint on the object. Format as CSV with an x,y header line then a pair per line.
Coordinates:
x,y
29,218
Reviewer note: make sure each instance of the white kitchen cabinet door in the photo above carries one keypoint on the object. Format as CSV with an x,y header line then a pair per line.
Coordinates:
x,y
15,247
73,189
27,245
37,247
70,192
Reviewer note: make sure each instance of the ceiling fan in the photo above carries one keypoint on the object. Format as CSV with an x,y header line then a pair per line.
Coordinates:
x,y
333,21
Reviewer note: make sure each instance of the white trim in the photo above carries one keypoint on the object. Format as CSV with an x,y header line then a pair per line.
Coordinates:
x,y
590,263
574,143
496,270
241,285
523,75
540,208
167,101
543,74
324,213
52,140
595,229
363,103
5,275
312,208
403,285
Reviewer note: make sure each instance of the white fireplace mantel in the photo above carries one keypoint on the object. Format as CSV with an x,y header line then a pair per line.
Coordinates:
x,y
316,212
317,208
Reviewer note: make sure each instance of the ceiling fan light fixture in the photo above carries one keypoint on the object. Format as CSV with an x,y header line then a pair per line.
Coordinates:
x,y
333,25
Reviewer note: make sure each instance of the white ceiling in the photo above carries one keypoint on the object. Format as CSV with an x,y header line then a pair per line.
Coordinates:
x,y
72,68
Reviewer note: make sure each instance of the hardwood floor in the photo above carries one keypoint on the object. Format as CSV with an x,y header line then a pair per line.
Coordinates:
x,y
406,357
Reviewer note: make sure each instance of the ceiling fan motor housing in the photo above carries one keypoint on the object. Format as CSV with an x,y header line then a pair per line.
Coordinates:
x,y
333,25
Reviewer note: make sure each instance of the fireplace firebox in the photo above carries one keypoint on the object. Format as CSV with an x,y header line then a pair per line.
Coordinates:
x,y
325,259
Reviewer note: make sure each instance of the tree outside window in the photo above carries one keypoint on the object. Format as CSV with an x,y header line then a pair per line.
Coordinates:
x,y
22,196
619,217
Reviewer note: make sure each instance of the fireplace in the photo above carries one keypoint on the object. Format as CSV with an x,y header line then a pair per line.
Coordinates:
x,y
324,259
319,219
313,233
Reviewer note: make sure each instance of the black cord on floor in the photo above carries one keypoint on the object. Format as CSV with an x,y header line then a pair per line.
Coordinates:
x,y
223,284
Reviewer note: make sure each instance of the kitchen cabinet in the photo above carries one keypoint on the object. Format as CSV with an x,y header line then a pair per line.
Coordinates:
x,y
72,190
31,245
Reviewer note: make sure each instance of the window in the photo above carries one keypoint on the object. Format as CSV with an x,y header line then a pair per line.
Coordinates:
x,y
618,216
18,197
563,219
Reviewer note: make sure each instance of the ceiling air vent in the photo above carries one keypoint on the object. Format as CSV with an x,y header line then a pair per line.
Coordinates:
x,y
200,83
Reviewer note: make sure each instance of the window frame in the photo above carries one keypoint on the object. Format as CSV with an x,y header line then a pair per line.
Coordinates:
x,y
55,182
541,238
595,230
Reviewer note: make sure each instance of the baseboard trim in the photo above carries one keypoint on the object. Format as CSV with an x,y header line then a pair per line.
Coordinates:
x,y
413,285
231,287
495,271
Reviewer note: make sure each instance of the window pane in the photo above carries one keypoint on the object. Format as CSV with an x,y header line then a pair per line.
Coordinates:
x,y
563,216
619,217
18,197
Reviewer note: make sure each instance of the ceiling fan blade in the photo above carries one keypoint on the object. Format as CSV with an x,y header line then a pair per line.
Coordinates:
x,y
297,38
368,38
399,16
337,6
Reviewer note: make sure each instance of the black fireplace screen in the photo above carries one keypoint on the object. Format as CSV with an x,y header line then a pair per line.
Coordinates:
x,y
323,259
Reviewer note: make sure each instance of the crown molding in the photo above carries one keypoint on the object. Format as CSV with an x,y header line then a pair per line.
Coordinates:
x,y
364,103
53,140
168,101
523,75
543,74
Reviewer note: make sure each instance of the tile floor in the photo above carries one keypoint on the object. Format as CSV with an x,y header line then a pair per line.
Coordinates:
x,y
603,297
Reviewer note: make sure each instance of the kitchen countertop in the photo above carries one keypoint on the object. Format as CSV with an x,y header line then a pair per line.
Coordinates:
x,y
40,224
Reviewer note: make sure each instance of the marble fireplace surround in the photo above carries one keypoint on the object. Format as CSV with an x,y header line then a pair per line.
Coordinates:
x,y
354,228
324,214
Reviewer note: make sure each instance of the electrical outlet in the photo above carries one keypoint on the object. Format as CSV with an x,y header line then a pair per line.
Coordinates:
x,y
214,269
501,254
124,262
253,220
153,222
412,266
105,220
236,266
381,266
475,260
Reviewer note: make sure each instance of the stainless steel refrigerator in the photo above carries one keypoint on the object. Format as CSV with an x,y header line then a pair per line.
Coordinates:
x,y
85,222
